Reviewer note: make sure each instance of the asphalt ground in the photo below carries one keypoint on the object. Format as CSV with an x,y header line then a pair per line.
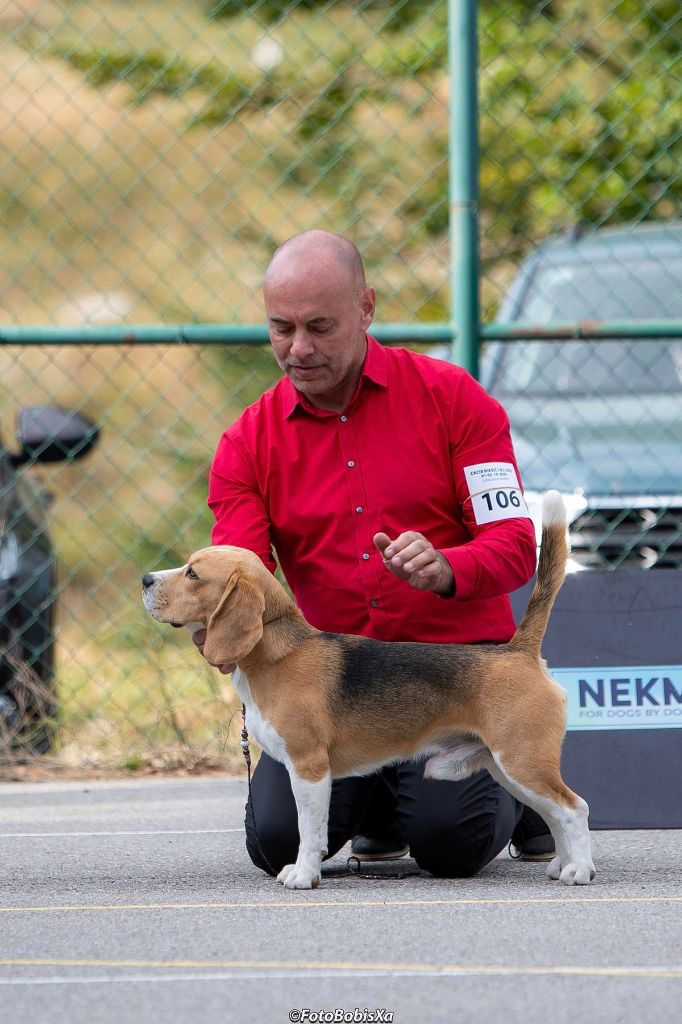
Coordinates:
x,y
135,901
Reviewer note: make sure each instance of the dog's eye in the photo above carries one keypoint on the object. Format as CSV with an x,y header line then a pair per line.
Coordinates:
x,y
191,573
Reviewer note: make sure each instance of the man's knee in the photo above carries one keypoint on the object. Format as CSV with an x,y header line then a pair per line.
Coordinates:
x,y
453,850
272,843
270,820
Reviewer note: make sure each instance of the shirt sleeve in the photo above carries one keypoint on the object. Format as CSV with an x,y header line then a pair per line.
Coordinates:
x,y
237,503
501,556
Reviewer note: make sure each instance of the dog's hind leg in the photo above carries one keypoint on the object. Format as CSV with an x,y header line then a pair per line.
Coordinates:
x,y
564,811
312,803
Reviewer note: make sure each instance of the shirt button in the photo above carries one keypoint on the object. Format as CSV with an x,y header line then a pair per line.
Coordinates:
x,y
351,463
374,604
366,557
359,510
343,419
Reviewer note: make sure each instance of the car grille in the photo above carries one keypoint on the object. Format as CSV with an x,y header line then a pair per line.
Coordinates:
x,y
623,537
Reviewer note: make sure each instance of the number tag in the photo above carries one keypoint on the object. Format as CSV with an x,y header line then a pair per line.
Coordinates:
x,y
494,492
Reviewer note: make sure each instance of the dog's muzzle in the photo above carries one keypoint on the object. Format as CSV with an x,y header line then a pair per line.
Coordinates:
x,y
149,597
151,600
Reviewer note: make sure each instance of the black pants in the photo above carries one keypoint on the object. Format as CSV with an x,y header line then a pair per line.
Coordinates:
x,y
453,828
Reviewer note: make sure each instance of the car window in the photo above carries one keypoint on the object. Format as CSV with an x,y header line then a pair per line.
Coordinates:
x,y
645,289
604,416
648,289
617,367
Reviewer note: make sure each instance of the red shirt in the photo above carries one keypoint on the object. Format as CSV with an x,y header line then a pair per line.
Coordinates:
x,y
318,485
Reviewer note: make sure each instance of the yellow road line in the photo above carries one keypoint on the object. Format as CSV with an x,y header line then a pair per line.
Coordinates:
x,y
311,904
345,966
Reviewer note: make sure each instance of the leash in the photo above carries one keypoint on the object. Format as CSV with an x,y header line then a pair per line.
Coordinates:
x,y
356,867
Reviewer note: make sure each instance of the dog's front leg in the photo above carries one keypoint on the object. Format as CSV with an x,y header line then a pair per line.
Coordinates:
x,y
312,804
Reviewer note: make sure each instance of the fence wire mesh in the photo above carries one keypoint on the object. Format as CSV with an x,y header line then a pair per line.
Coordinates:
x,y
154,154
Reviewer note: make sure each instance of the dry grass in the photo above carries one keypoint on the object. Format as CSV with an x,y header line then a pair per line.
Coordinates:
x,y
115,211
126,689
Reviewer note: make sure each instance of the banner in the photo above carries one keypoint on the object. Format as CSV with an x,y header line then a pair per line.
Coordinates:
x,y
637,697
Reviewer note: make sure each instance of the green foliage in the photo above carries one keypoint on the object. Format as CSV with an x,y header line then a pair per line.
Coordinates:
x,y
554,150
133,763
397,14
579,108
157,72
146,73
228,96
574,128
328,108
267,11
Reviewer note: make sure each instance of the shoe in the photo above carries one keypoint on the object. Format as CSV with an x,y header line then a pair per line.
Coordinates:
x,y
531,839
367,848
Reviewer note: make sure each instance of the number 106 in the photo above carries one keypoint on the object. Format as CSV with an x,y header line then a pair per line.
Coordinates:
x,y
502,499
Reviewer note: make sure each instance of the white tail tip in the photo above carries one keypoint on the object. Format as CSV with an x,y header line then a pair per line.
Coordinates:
x,y
553,510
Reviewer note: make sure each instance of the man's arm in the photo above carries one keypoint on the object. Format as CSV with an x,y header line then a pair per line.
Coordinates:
x,y
501,555
235,499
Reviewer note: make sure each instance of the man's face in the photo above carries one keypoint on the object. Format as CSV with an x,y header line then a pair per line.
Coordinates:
x,y
317,321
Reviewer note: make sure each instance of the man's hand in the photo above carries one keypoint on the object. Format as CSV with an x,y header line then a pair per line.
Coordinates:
x,y
411,557
198,639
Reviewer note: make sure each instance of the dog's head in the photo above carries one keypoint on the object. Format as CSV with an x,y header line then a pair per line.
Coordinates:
x,y
221,589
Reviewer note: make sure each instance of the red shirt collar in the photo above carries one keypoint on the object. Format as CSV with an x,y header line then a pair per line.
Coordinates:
x,y
375,368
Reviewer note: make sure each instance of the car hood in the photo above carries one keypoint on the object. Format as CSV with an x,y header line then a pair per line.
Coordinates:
x,y
605,445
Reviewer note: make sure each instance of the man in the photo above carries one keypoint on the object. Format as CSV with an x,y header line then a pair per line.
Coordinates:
x,y
365,469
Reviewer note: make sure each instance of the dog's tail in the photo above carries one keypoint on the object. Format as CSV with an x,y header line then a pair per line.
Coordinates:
x,y
554,552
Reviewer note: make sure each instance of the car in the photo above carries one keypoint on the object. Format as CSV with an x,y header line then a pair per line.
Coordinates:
x,y
601,421
28,704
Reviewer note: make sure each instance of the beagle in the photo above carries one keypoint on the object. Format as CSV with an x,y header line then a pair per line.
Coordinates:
x,y
329,705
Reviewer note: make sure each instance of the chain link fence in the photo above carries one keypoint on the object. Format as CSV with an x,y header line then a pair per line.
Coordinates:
x,y
154,154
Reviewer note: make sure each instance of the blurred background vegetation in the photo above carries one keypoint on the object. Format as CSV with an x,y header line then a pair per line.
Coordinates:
x,y
152,156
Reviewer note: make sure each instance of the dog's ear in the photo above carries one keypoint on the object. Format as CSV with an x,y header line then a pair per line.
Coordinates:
x,y
236,626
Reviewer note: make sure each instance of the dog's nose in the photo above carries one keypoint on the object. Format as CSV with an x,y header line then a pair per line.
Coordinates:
x,y
147,579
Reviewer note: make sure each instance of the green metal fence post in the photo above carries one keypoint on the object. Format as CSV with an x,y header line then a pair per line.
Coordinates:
x,y
464,262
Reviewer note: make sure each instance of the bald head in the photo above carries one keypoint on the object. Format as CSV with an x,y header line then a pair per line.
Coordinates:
x,y
321,252
319,309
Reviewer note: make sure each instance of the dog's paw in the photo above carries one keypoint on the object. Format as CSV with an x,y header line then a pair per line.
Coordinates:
x,y
574,873
554,869
577,873
295,876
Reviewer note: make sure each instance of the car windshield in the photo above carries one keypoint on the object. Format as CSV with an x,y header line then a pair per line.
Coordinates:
x,y
642,290
605,416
